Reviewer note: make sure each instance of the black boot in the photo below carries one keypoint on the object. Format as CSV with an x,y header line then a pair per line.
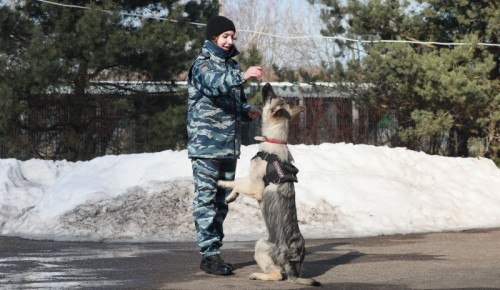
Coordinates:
x,y
215,265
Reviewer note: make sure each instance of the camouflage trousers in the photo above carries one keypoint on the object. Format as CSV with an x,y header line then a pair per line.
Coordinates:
x,y
209,205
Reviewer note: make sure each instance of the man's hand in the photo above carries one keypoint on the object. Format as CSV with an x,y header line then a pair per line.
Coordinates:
x,y
253,72
254,113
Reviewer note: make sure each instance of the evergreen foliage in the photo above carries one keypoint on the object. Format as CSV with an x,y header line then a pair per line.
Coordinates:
x,y
251,57
445,98
53,61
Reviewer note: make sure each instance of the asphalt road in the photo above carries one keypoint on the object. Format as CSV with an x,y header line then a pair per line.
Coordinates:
x,y
456,260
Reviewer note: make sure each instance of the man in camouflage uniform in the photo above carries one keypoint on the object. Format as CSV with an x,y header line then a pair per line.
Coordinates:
x,y
216,107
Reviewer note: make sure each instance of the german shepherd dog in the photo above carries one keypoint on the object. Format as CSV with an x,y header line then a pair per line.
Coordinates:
x,y
282,254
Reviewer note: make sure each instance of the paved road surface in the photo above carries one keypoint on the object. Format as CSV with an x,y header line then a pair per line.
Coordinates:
x,y
458,260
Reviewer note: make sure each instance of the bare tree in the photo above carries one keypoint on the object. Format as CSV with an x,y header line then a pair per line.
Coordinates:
x,y
286,32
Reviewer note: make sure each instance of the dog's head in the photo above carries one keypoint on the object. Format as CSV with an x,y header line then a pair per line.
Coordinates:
x,y
275,107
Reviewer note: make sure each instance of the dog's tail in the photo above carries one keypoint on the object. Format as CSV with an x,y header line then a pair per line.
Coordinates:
x,y
305,281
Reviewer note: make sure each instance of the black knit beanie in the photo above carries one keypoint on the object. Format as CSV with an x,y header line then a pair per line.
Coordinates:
x,y
218,25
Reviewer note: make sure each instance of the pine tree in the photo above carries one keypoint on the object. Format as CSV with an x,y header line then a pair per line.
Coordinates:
x,y
444,96
251,57
54,59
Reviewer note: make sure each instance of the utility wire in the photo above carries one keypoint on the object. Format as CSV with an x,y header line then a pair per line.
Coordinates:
x,y
284,37
366,41
121,13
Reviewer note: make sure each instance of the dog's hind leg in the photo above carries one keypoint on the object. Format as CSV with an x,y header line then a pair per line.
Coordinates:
x,y
272,272
273,276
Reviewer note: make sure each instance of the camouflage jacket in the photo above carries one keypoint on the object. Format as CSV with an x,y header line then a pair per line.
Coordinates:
x,y
216,104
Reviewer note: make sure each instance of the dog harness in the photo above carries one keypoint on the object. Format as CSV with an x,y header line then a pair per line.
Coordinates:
x,y
277,171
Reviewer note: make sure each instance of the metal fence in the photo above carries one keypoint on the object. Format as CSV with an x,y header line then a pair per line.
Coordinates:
x,y
83,127
331,120
105,128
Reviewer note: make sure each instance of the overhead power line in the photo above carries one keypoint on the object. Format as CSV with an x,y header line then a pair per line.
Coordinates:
x,y
341,38
366,41
121,13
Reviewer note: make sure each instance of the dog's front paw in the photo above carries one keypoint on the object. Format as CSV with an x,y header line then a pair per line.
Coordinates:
x,y
221,183
253,276
232,197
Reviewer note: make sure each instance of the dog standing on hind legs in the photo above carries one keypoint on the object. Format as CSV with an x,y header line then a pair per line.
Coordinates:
x,y
271,183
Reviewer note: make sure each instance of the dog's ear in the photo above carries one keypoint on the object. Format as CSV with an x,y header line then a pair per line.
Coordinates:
x,y
295,110
267,92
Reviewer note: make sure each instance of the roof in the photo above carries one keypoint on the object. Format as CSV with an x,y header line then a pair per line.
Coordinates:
x,y
285,89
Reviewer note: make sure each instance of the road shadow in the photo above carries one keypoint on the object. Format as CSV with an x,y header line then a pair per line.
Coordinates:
x,y
322,258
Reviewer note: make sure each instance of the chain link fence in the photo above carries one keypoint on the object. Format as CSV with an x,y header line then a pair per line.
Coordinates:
x,y
97,125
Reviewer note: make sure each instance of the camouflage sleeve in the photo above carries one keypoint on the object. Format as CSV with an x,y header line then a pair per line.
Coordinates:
x,y
212,82
245,108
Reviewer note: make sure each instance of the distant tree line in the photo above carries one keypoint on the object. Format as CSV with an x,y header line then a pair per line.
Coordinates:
x,y
444,98
54,61
50,56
